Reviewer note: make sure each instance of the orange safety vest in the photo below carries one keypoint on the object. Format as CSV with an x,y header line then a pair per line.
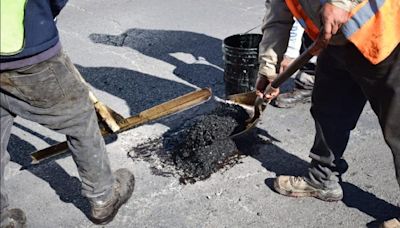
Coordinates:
x,y
297,10
373,27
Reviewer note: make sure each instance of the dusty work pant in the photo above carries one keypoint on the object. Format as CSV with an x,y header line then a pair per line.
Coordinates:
x,y
51,94
304,79
345,80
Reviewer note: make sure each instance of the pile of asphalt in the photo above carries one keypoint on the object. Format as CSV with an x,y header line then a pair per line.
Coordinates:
x,y
204,145
197,148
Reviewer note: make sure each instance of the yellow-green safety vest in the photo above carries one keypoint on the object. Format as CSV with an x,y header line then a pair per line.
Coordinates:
x,y
12,38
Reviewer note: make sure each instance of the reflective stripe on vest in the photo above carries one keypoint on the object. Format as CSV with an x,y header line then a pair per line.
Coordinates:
x,y
297,10
373,26
12,26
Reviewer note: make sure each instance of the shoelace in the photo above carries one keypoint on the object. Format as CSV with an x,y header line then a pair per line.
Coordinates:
x,y
298,179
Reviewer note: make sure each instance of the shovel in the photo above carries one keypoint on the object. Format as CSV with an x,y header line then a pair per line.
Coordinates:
x,y
257,104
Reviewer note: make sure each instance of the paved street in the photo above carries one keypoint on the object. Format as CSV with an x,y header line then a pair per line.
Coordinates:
x,y
139,53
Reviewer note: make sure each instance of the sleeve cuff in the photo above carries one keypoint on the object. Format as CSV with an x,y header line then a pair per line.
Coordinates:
x,y
292,53
269,77
343,4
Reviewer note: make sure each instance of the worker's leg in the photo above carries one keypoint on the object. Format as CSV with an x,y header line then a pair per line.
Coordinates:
x,y
14,217
305,79
51,94
381,84
337,103
304,83
6,122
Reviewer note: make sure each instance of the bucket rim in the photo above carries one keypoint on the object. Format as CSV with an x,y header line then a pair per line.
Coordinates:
x,y
239,35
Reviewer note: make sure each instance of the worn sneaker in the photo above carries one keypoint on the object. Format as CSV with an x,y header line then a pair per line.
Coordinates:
x,y
290,99
103,213
298,187
393,223
15,219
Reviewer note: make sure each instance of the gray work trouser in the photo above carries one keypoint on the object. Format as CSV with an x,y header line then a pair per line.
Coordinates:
x,y
51,94
344,81
304,80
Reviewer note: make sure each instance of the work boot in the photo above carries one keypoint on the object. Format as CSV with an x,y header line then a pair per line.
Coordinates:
x,y
290,99
299,187
15,218
393,223
104,212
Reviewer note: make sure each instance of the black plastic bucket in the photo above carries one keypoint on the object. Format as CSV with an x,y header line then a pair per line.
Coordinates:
x,y
241,62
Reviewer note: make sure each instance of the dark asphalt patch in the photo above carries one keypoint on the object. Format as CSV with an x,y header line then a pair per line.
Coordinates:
x,y
200,147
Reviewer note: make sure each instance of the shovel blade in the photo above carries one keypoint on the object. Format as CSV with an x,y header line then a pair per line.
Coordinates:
x,y
247,100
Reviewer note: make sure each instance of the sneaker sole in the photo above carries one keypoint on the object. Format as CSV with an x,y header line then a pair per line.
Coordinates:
x,y
291,105
18,217
321,195
393,223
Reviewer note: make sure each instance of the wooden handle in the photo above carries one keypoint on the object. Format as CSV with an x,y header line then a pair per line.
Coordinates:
x,y
294,66
101,109
92,97
173,106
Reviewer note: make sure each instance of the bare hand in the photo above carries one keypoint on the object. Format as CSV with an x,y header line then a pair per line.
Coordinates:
x,y
332,19
286,61
264,89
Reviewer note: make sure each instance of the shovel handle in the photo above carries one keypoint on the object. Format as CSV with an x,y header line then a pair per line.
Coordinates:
x,y
294,66
100,108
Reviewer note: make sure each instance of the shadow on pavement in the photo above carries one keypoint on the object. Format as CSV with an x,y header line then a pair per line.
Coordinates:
x,y
42,137
281,162
204,68
66,187
140,91
368,203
